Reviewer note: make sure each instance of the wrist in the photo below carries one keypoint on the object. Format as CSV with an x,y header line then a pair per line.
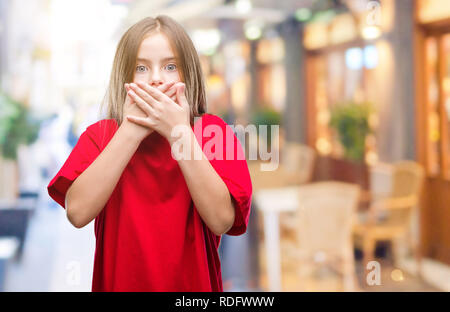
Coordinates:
x,y
182,135
128,133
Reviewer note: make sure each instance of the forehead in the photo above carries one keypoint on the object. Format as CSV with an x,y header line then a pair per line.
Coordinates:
x,y
155,47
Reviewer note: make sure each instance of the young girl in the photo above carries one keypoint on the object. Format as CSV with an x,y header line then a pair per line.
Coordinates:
x,y
158,219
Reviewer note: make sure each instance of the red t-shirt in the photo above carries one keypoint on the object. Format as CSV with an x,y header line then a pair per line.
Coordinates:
x,y
149,235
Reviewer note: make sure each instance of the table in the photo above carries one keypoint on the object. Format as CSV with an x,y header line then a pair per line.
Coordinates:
x,y
271,202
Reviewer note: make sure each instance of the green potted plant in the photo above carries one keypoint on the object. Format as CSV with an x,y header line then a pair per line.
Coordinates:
x,y
351,122
266,115
17,127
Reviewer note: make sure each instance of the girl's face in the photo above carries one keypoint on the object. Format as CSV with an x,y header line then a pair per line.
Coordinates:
x,y
156,63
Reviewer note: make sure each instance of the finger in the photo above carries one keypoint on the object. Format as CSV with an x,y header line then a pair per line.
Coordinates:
x,y
171,92
142,121
127,88
141,103
181,96
144,95
154,92
164,87
128,99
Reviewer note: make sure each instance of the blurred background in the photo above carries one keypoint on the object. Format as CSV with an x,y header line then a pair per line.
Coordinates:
x,y
360,89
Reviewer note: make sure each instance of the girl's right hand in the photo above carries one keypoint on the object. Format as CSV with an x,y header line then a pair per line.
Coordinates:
x,y
131,108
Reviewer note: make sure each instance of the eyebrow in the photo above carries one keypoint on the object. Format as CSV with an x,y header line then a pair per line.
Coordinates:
x,y
166,59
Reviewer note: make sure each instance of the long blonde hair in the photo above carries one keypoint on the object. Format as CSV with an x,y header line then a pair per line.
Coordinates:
x,y
125,63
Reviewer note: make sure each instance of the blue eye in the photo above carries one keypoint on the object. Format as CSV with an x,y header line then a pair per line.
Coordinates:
x,y
141,68
173,66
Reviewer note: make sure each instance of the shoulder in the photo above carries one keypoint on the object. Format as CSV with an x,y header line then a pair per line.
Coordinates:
x,y
101,131
101,125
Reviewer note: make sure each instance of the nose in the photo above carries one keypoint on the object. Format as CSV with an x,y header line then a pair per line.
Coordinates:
x,y
156,83
155,79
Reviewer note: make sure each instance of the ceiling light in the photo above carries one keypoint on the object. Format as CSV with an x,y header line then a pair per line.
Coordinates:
x,y
371,32
253,32
253,29
206,40
243,6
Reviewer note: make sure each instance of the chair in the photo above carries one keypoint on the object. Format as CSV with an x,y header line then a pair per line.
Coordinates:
x,y
296,167
297,162
326,214
395,195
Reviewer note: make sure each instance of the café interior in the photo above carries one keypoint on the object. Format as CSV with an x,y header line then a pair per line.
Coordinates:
x,y
355,93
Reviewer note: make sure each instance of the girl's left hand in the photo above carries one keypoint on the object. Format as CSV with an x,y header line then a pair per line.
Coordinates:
x,y
163,113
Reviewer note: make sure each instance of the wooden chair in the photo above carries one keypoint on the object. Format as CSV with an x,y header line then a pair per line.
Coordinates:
x,y
296,167
395,195
326,215
297,164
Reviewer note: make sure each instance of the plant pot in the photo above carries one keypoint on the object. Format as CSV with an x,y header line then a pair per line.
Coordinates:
x,y
9,180
338,169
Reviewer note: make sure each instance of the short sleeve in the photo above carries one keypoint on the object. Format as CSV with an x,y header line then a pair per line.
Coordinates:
x,y
83,154
224,151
